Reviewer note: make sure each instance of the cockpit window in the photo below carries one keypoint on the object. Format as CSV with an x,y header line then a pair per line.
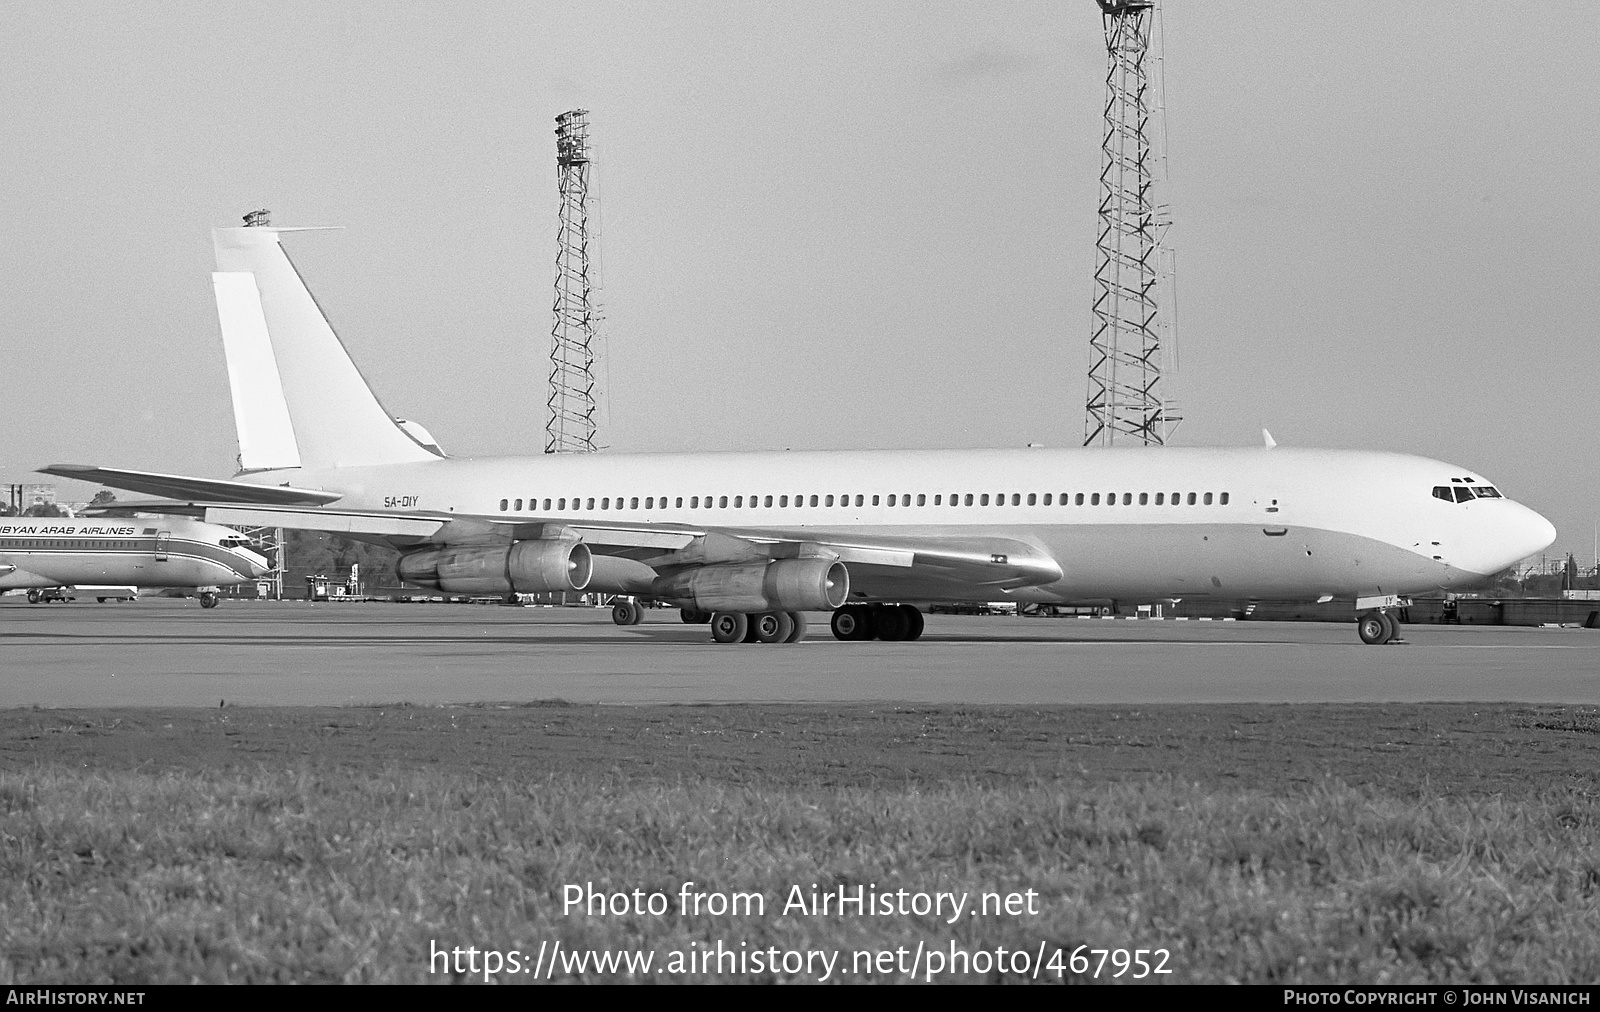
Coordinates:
x,y
1464,493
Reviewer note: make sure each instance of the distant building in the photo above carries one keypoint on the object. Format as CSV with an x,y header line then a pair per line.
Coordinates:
x,y
21,497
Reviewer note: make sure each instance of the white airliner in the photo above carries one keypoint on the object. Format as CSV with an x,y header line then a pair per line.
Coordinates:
x,y
43,553
751,540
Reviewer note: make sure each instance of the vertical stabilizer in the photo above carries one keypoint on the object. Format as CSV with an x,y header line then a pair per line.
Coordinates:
x,y
336,419
266,437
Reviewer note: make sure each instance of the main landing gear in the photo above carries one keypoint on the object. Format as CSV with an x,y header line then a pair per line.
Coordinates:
x,y
765,627
1376,627
208,599
877,621
625,612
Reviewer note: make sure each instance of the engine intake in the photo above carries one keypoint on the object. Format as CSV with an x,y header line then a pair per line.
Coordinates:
x,y
527,567
786,585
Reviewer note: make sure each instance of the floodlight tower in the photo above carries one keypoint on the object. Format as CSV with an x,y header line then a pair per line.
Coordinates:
x,y
1124,403
571,426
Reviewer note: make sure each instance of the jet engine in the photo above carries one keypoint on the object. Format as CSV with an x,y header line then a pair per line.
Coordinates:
x,y
527,567
786,585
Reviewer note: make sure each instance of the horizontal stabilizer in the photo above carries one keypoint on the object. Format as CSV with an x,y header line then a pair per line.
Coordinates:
x,y
179,486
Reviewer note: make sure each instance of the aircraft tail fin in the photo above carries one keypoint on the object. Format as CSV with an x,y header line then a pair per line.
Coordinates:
x,y
298,399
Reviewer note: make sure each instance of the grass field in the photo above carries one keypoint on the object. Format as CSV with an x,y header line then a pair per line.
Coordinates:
x,y
1254,843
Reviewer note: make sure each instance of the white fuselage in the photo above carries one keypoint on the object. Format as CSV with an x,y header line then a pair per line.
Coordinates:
x,y
1122,524
141,551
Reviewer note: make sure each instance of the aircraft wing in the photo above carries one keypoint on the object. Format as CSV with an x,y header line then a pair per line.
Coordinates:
x,y
180,486
888,565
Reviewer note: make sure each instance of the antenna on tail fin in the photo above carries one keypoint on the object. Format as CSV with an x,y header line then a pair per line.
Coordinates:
x,y
285,353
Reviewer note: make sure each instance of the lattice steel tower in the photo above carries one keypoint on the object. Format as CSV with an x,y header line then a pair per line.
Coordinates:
x,y
571,427
1124,403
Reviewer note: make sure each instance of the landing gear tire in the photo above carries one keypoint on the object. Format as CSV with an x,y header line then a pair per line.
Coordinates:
x,y
914,621
798,630
852,622
626,613
33,597
692,617
729,626
1391,620
208,599
1374,628
892,622
772,627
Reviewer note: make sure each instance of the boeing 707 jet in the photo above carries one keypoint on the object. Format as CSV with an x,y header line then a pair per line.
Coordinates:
x,y
750,541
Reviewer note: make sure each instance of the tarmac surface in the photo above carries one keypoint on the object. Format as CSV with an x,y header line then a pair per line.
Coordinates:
x,y
169,652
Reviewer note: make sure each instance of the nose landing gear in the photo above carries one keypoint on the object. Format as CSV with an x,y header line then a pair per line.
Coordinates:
x,y
626,612
1376,627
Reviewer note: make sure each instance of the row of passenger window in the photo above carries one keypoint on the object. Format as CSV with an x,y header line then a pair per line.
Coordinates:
x,y
559,505
20,544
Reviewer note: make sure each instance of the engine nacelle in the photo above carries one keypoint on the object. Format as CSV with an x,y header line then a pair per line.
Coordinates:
x,y
527,567
786,585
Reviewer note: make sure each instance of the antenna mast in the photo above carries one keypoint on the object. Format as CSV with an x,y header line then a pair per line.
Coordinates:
x,y
1125,355
571,426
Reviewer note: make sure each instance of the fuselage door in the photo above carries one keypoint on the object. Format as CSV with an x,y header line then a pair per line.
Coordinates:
x,y
163,542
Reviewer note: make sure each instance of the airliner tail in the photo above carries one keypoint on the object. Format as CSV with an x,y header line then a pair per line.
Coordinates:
x,y
298,399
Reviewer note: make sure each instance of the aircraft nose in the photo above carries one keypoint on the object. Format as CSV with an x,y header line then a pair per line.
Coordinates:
x,y
1527,533
256,564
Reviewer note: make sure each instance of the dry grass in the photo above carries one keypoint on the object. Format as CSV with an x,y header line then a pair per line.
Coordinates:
x,y
131,877
1257,844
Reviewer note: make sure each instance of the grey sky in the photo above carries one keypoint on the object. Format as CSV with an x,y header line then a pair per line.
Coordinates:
x,y
823,225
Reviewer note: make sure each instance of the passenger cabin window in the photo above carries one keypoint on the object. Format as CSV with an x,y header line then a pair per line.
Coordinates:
x,y
1224,498
502,505
1191,498
922,500
813,500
